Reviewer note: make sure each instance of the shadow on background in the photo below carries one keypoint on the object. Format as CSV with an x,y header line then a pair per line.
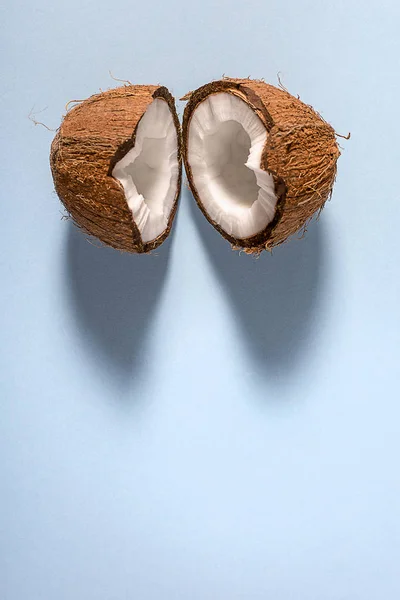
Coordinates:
x,y
114,297
274,297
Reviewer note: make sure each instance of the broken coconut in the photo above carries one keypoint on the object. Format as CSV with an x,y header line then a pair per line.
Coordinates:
x,y
116,165
259,161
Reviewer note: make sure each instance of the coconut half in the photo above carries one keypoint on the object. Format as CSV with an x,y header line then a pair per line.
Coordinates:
x,y
116,165
259,161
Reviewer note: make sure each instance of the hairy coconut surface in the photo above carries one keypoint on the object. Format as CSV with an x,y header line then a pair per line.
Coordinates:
x,y
116,165
259,161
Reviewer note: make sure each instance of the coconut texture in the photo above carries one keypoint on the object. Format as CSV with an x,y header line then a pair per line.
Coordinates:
x,y
300,152
92,138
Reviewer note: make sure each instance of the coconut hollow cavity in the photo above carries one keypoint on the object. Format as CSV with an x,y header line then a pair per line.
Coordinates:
x,y
116,165
259,161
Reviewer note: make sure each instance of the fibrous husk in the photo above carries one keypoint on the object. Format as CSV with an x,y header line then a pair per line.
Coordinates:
x,y
92,138
300,152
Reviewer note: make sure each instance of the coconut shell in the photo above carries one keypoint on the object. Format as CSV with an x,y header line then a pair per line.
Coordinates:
x,y
300,152
92,138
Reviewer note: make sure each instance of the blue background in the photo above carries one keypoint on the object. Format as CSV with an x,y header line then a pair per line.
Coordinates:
x,y
199,424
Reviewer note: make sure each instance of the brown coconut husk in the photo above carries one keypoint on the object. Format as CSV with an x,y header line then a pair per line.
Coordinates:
x,y
300,152
92,138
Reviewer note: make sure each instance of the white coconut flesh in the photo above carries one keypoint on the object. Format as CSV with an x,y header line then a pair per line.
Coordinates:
x,y
225,143
149,172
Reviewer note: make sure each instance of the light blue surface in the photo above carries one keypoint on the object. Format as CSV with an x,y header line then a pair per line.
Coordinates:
x,y
198,424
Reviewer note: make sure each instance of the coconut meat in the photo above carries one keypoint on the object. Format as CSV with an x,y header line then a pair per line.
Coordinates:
x,y
149,172
225,143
